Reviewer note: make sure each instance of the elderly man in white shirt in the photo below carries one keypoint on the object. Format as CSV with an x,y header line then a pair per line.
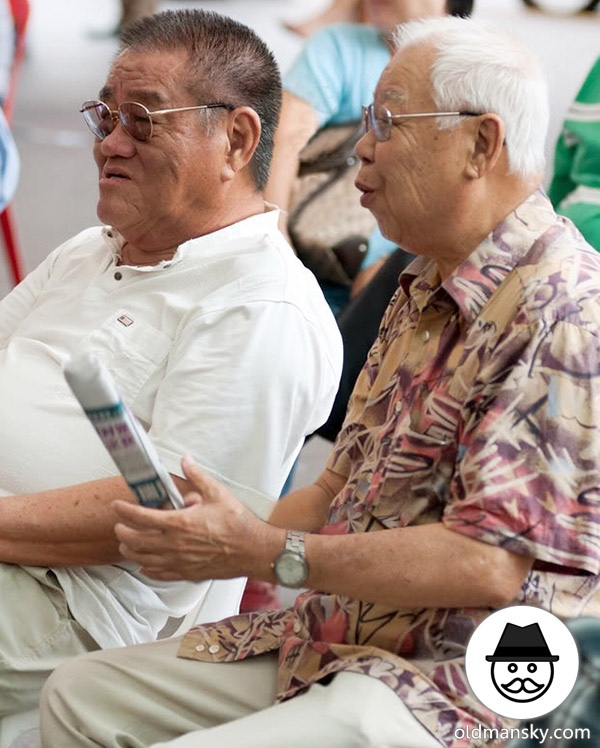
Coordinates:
x,y
216,334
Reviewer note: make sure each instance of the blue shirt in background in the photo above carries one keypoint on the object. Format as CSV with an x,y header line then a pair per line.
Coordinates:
x,y
9,164
336,73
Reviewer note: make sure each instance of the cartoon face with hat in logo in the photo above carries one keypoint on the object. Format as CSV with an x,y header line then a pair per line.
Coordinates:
x,y
522,666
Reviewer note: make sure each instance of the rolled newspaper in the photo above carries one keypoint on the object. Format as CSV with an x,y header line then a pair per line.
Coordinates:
x,y
121,433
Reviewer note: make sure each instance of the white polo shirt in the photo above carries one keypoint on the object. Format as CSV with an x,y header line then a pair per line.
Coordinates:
x,y
227,352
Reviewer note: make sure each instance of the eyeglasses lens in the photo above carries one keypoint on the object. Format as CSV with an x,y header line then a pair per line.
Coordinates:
x,y
136,121
382,123
98,118
378,118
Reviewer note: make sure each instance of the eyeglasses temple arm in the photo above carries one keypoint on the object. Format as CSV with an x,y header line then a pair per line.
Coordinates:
x,y
190,108
434,114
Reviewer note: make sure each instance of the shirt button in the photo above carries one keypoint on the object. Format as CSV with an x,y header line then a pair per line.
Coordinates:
x,y
425,336
214,648
200,648
118,276
398,406
297,627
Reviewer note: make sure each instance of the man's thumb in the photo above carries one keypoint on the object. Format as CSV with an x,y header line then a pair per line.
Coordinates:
x,y
206,486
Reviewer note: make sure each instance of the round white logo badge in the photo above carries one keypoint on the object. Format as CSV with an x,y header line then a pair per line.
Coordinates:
x,y
522,662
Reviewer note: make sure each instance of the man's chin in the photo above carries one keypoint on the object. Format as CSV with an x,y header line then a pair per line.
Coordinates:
x,y
388,232
109,216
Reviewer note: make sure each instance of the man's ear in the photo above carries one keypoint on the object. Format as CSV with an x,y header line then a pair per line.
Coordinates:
x,y
488,143
243,133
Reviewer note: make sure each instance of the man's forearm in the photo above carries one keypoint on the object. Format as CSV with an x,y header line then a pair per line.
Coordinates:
x,y
297,124
411,567
307,508
216,537
72,526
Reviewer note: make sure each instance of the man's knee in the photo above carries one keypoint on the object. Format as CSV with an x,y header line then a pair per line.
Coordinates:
x,y
69,680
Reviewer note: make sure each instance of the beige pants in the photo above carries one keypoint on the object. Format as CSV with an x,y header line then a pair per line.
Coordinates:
x,y
145,695
37,634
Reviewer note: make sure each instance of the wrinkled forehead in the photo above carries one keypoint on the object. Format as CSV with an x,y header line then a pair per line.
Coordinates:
x,y
406,79
155,78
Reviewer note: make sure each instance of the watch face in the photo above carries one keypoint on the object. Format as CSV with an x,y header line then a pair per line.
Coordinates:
x,y
290,569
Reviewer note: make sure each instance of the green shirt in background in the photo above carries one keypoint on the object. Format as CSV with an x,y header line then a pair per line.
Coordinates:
x,y
575,188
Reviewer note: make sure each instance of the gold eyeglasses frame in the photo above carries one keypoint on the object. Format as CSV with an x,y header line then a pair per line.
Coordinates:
x,y
117,114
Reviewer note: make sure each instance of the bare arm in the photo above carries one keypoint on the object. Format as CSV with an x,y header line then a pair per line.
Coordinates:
x,y
421,566
413,567
365,276
306,509
71,526
297,124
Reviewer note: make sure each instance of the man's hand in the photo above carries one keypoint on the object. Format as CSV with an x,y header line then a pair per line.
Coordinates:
x,y
215,537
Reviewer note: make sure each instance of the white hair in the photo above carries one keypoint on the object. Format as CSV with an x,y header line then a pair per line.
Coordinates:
x,y
480,68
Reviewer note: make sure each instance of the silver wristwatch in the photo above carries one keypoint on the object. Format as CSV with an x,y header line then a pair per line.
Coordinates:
x,y
291,567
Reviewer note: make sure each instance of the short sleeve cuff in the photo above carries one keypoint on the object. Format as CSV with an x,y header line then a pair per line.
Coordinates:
x,y
471,522
340,463
258,503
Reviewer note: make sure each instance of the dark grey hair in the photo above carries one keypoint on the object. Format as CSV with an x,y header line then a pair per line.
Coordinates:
x,y
229,63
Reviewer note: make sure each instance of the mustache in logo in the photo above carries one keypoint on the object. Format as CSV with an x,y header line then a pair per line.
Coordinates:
x,y
517,685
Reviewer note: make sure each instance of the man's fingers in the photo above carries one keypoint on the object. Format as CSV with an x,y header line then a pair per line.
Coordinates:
x,y
148,539
141,516
192,499
151,560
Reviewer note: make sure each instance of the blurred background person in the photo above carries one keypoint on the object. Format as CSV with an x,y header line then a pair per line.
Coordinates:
x,y
7,46
9,157
131,10
345,11
332,78
339,11
9,163
14,15
575,187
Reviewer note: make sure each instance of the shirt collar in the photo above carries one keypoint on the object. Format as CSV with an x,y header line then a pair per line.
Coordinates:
x,y
473,282
216,242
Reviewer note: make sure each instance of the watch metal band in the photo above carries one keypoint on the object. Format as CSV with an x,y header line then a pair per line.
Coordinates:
x,y
295,542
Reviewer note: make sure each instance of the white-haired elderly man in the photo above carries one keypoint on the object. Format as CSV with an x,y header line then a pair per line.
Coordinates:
x,y
465,477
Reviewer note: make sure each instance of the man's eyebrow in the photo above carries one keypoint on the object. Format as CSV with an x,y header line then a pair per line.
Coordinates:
x,y
385,95
143,96
395,95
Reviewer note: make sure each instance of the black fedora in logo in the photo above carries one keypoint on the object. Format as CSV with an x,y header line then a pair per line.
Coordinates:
x,y
522,644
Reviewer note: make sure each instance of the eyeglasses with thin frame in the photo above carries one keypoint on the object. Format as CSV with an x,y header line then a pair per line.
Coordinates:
x,y
381,120
135,118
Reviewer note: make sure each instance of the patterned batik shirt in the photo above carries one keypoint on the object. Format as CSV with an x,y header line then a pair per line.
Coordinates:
x,y
478,407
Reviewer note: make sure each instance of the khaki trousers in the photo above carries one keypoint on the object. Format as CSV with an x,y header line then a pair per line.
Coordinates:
x,y
145,696
37,634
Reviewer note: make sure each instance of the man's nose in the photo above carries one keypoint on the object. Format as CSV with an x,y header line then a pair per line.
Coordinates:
x,y
117,143
365,148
